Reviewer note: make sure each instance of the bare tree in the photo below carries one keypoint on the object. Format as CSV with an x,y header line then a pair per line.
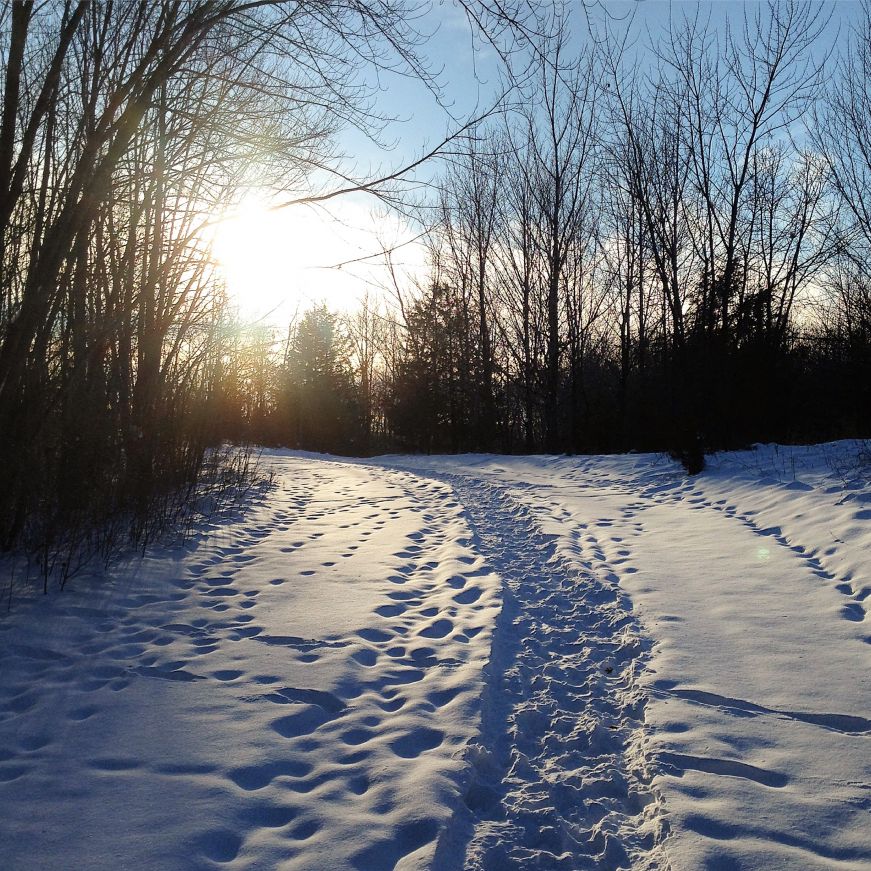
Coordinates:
x,y
469,193
124,130
561,143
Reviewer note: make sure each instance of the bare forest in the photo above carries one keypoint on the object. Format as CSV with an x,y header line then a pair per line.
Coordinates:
x,y
672,257
672,254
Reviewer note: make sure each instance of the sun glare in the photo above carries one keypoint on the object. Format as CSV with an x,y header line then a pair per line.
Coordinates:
x,y
279,262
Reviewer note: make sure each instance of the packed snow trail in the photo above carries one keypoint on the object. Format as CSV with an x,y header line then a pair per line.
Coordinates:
x,y
559,779
753,581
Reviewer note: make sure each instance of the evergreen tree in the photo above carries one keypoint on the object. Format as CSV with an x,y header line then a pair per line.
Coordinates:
x,y
321,404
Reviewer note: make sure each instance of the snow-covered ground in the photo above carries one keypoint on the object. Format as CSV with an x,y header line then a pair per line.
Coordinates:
x,y
463,662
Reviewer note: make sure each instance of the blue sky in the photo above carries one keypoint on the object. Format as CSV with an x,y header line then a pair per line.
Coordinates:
x,y
469,70
469,75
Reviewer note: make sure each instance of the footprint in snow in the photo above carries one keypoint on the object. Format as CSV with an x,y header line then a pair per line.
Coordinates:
x,y
254,777
438,629
854,612
418,741
220,845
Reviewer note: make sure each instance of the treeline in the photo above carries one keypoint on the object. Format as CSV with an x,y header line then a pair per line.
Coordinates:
x,y
671,254
126,129
657,249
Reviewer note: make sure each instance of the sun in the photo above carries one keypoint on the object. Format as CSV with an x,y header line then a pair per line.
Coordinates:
x,y
279,262
263,256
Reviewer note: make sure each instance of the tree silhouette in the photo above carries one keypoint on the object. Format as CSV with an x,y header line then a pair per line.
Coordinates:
x,y
320,398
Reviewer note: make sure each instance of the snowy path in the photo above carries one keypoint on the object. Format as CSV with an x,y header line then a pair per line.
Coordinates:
x,y
294,693
680,677
754,589
557,781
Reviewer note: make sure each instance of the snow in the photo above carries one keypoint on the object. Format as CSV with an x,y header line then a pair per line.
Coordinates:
x,y
751,581
479,661
293,693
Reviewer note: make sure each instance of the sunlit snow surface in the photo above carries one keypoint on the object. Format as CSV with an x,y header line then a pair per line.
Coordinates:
x,y
477,661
